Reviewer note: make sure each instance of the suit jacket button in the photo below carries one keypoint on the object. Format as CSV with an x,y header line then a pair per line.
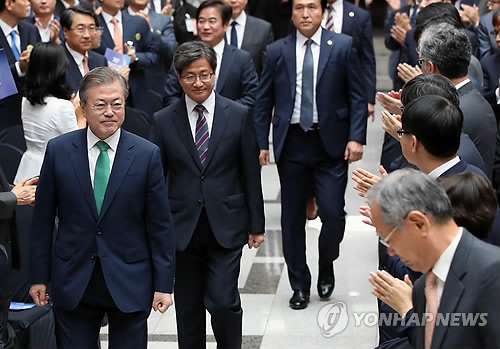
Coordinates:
x,y
94,257
99,232
202,178
200,203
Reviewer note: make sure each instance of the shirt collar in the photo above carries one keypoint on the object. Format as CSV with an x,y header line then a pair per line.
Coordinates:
x,y
112,140
133,13
208,103
316,38
443,264
241,19
438,171
463,83
107,17
7,28
66,5
76,55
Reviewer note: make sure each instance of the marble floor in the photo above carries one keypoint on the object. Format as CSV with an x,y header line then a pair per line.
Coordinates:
x,y
268,322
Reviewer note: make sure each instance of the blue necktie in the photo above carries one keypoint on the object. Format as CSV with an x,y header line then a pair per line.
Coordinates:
x,y
306,104
234,35
413,18
15,51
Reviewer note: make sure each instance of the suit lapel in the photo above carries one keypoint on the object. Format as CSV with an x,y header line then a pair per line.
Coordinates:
x,y
123,159
7,49
218,126
73,71
128,29
325,50
288,50
185,133
107,39
80,160
225,67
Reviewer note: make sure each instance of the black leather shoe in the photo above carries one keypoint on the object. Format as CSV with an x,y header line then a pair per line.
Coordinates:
x,y
299,300
326,282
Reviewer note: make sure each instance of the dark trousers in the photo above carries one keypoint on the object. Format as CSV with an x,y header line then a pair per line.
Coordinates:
x,y
5,295
207,278
304,161
79,328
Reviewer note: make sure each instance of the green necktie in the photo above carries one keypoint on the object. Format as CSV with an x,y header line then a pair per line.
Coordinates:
x,y
101,174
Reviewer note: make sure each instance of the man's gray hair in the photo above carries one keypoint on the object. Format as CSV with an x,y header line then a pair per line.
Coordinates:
x,y
448,48
101,76
191,51
407,190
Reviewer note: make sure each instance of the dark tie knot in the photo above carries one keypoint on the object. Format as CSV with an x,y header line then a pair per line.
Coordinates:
x,y
308,43
234,24
103,146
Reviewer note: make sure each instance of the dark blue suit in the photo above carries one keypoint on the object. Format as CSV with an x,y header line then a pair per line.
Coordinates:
x,y
491,73
130,245
60,7
214,208
10,107
357,23
31,20
137,30
237,79
74,76
315,156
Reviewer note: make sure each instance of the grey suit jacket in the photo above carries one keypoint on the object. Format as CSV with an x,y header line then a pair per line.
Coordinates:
x,y
258,34
479,123
487,42
472,287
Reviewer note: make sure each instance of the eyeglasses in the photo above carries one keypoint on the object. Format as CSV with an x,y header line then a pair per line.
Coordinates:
x,y
191,78
421,61
401,132
495,33
102,107
385,241
92,29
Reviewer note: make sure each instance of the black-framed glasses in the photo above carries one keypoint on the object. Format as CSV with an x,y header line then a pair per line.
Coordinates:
x,y
92,29
401,132
191,78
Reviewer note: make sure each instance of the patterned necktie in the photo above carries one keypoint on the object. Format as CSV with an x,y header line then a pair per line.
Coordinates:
x,y
306,105
413,18
117,35
432,307
201,135
234,35
101,174
329,19
15,51
85,63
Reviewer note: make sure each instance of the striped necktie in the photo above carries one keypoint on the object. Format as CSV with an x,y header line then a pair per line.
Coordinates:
x,y
201,135
329,18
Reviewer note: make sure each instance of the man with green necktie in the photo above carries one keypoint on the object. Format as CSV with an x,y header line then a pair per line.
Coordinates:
x,y
114,251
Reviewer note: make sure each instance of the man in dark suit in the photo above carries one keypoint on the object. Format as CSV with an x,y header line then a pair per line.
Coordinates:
x,y
249,33
45,21
61,5
22,194
25,34
236,77
114,250
120,30
319,101
79,24
487,42
413,216
210,157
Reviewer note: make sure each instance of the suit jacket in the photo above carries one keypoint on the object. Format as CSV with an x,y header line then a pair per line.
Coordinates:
x,y
487,42
8,235
340,94
137,30
357,23
60,7
258,34
181,33
31,20
471,288
479,123
491,73
74,76
228,186
237,79
133,234
164,36
10,107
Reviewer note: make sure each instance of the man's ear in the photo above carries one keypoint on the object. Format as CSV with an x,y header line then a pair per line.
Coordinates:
x,y
419,222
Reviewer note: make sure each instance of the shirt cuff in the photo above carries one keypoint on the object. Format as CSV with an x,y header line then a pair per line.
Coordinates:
x,y
18,69
497,96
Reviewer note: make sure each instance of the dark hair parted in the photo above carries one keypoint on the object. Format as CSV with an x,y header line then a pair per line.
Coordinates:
x,y
66,19
438,12
101,76
322,2
46,73
429,84
436,123
225,10
473,202
495,18
191,51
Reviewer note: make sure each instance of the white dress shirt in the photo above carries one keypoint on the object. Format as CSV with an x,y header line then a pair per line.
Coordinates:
x,y
438,171
6,32
443,264
94,151
66,5
209,105
219,52
337,15
44,32
78,57
111,27
300,51
241,22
